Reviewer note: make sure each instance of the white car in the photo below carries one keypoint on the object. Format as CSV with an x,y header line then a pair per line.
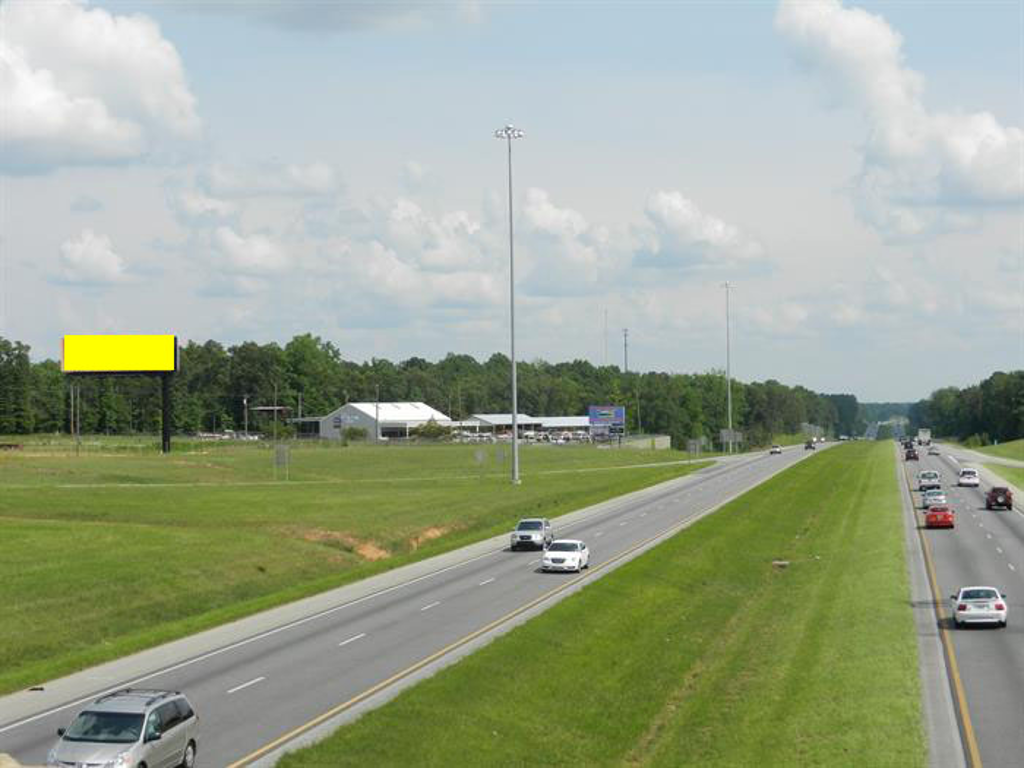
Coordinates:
x,y
933,498
775,449
979,605
566,555
969,478
928,479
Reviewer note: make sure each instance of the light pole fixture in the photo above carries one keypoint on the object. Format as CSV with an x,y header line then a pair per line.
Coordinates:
x,y
508,133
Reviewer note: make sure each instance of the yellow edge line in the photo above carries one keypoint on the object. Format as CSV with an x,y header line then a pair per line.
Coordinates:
x,y
971,740
338,709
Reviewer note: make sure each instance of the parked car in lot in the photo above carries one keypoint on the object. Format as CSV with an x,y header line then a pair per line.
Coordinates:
x,y
928,479
911,455
968,478
566,555
939,516
979,605
533,532
999,497
932,497
775,449
130,728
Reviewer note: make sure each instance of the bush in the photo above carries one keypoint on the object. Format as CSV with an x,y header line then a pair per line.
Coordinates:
x,y
353,434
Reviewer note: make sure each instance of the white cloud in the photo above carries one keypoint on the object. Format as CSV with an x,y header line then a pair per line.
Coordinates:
x,y
922,170
254,255
90,259
336,17
195,204
79,85
272,180
680,233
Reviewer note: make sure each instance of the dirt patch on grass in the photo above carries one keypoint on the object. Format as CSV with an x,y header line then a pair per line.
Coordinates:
x,y
367,550
429,534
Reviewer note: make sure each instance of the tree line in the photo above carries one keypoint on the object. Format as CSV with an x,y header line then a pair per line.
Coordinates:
x,y
991,411
221,387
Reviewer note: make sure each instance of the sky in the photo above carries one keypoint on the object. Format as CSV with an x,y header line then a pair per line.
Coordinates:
x,y
252,171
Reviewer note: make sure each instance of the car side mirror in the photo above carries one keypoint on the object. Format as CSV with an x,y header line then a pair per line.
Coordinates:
x,y
61,731
952,597
1004,595
152,737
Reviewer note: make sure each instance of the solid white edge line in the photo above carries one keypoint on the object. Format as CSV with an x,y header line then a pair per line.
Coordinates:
x,y
360,636
246,685
431,605
485,582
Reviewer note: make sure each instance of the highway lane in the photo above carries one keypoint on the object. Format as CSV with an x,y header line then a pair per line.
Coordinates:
x,y
267,686
985,548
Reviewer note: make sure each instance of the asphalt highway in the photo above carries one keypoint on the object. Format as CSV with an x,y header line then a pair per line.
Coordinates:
x,y
986,548
270,684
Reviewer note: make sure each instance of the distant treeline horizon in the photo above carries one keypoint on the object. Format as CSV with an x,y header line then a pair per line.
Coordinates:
x,y
217,384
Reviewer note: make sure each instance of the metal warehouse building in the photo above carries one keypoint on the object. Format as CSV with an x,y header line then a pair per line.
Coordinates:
x,y
384,419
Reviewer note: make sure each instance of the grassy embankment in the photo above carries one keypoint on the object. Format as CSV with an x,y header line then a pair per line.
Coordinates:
x,y
121,548
1013,475
699,652
1011,450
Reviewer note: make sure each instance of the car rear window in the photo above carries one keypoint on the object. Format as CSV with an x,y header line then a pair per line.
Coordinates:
x,y
979,594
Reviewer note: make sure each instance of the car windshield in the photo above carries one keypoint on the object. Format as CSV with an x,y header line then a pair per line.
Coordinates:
x,y
106,727
563,546
964,472
530,525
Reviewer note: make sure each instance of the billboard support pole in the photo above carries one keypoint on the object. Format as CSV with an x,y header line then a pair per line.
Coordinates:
x,y
165,438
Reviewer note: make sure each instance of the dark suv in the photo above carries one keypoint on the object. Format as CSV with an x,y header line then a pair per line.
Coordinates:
x,y
132,727
999,497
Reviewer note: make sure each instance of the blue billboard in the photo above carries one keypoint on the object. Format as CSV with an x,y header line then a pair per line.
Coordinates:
x,y
607,415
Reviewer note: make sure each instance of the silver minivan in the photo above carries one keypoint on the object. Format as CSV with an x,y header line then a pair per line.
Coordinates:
x,y
130,728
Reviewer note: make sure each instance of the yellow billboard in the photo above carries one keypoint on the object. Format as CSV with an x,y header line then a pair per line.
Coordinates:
x,y
120,354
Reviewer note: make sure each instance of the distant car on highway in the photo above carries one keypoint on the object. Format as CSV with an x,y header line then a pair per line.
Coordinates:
x,y
933,450
566,555
968,478
928,479
533,532
911,455
932,497
775,449
130,727
999,497
939,516
809,445
979,605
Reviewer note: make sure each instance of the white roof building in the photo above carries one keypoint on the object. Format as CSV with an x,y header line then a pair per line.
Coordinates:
x,y
383,419
565,422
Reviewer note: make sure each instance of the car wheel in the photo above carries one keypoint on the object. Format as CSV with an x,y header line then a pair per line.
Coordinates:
x,y
188,759
1002,624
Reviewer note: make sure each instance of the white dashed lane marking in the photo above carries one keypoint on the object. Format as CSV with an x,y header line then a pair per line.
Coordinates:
x,y
486,581
352,639
999,550
430,605
1012,566
246,685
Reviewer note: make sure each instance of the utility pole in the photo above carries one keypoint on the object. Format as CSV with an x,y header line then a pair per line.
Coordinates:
x,y
728,368
245,406
625,350
604,361
376,417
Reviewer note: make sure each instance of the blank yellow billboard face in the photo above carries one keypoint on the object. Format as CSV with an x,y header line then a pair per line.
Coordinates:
x,y
120,354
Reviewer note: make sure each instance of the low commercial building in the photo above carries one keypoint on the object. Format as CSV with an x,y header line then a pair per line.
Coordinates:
x,y
383,420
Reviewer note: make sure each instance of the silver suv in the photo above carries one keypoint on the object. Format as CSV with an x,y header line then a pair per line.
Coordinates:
x,y
131,728
532,532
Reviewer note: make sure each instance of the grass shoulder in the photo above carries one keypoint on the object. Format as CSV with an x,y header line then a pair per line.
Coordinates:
x,y
699,652
1012,475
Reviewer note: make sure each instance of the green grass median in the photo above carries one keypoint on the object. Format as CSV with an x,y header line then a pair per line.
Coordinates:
x,y
1013,475
111,551
707,650
1010,450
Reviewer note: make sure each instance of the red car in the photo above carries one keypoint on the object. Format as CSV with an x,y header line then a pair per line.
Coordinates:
x,y
939,517
999,497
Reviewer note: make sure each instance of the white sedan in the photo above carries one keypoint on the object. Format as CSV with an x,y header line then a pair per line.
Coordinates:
x,y
566,555
969,477
979,605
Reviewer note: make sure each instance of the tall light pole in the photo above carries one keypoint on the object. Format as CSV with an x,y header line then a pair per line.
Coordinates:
x,y
728,367
508,133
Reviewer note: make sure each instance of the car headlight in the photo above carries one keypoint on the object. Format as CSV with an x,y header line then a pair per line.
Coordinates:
x,y
121,761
